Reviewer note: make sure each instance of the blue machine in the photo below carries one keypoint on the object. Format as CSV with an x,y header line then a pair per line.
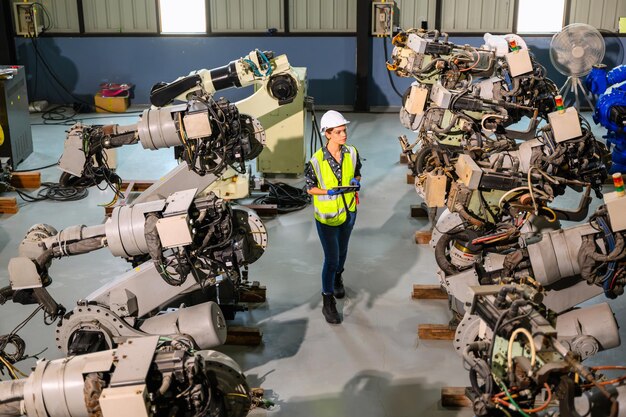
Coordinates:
x,y
610,109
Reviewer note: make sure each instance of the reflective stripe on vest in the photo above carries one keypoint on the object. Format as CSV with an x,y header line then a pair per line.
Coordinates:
x,y
331,209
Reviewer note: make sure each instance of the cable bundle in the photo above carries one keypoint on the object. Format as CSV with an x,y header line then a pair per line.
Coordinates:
x,y
286,197
52,191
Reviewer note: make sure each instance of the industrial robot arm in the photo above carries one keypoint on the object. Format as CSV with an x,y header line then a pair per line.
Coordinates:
x,y
170,240
213,136
599,79
610,109
573,264
261,68
500,80
523,358
142,377
202,144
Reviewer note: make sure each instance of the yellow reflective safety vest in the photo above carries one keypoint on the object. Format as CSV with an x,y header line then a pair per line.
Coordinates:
x,y
331,209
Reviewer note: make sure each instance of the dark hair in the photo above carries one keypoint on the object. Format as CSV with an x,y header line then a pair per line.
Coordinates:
x,y
329,130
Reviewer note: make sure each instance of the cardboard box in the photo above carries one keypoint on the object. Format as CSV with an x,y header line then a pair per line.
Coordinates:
x,y
111,104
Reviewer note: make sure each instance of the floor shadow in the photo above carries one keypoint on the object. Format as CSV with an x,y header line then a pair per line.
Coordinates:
x,y
369,393
4,237
282,339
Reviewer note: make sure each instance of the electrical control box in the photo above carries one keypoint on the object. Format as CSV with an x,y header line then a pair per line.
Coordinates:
x,y
565,125
174,231
440,95
416,101
616,205
519,62
468,171
197,125
16,139
417,43
28,18
131,400
435,190
384,17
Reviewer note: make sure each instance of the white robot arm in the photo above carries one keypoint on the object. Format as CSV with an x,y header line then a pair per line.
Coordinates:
x,y
213,135
198,127
260,68
142,377
170,240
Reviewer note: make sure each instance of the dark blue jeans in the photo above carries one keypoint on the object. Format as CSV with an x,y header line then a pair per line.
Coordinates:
x,y
335,245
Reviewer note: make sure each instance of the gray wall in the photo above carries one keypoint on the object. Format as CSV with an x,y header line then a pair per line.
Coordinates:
x,y
82,63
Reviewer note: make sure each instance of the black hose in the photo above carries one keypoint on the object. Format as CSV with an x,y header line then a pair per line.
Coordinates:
x,y
6,293
51,307
420,159
393,85
441,257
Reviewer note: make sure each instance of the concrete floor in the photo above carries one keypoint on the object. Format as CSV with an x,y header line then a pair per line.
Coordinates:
x,y
371,365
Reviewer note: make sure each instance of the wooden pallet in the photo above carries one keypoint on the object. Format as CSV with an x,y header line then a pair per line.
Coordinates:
x,y
435,332
410,178
30,179
8,205
404,159
454,397
428,292
244,336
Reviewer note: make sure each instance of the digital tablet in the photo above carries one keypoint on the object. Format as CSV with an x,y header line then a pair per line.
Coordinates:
x,y
347,188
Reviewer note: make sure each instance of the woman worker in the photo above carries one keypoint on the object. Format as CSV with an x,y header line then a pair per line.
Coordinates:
x,y
332,166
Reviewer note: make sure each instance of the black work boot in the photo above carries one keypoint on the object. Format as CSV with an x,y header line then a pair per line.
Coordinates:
x,y
329,310
338,289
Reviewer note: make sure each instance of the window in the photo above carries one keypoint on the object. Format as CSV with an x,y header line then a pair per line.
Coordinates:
x,y
477,16
183,17
540,16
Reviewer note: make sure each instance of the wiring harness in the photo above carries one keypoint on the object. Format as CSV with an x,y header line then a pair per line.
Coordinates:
x,y
287,198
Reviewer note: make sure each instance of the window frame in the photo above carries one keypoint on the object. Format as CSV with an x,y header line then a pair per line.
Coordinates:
x,y
287,32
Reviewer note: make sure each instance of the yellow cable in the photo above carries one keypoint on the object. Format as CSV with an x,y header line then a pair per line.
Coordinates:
x,y
530,188
548,209
9,367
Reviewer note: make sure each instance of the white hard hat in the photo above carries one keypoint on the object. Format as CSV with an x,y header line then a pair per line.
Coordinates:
x,y
331,119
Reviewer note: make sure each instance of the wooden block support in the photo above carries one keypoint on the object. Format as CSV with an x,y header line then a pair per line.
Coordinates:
x,y
435,332
410,178
418,211
138,185
454,397
8,205
423,238
428,292
26,179
244,336
403,158
252,294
